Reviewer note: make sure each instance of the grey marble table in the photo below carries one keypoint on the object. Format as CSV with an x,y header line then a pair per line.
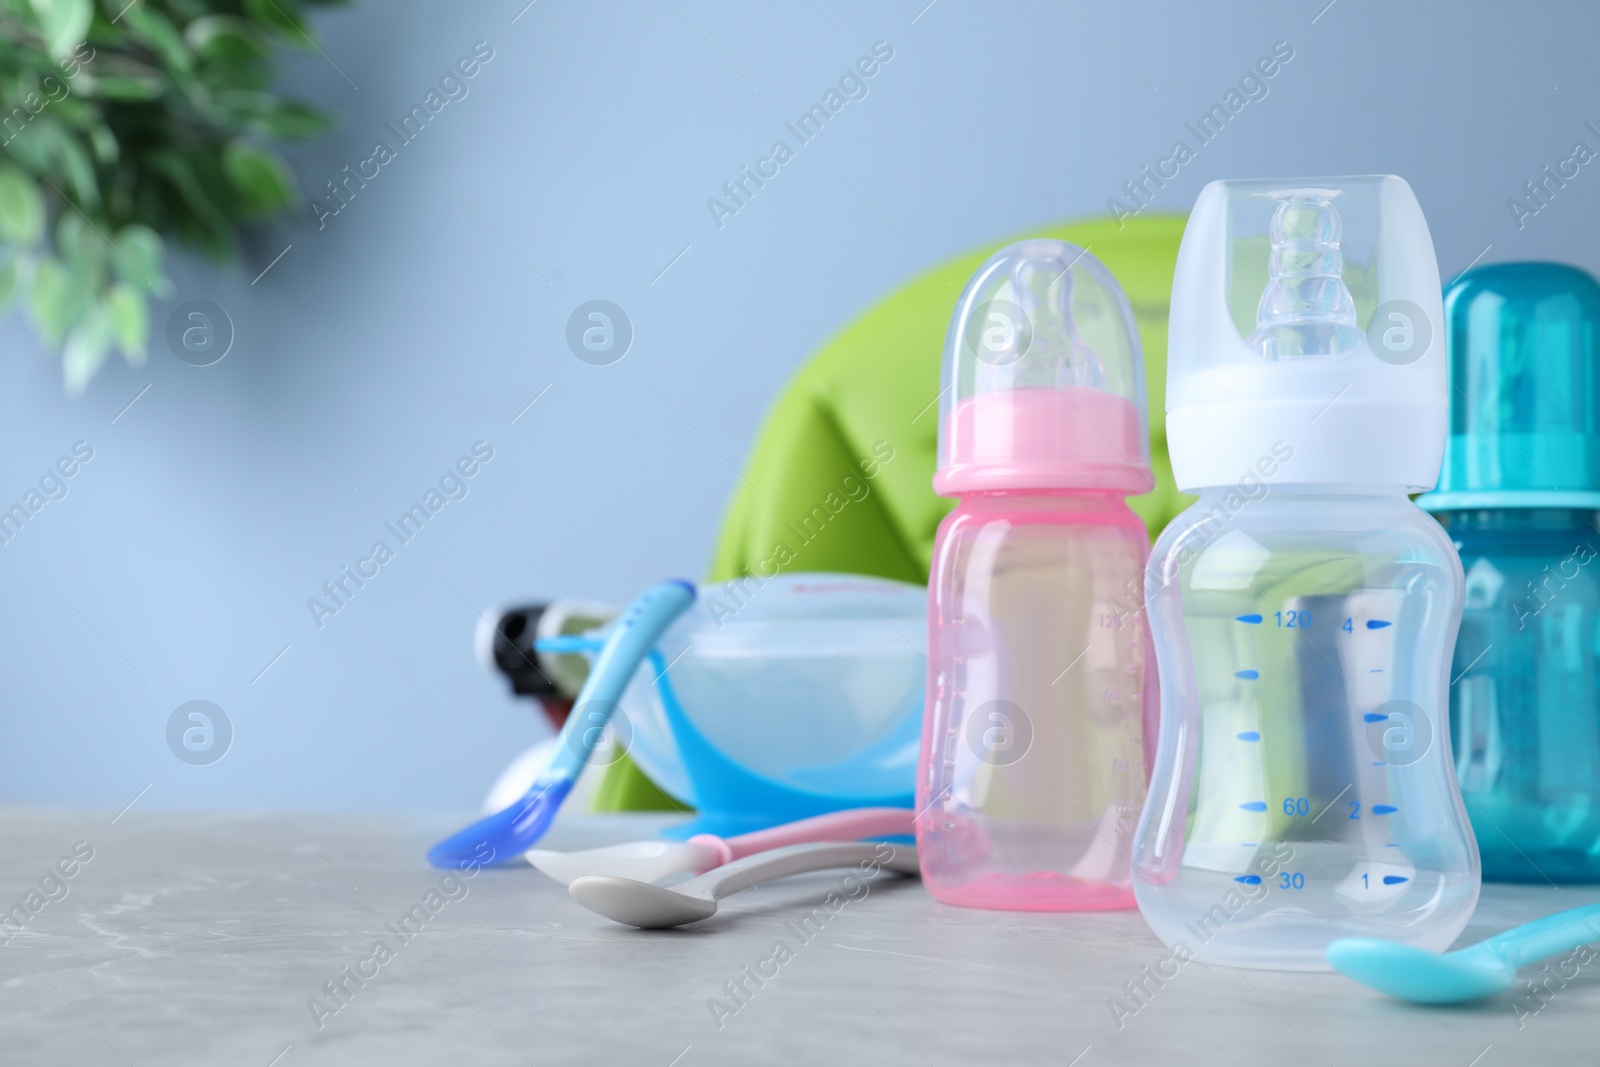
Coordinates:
x,y
195,938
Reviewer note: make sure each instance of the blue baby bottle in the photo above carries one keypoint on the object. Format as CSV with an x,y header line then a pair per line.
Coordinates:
x,y
1304,610
1519,494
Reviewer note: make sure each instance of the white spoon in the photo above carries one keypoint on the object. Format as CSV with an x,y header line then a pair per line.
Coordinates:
x,y
654,907
644,861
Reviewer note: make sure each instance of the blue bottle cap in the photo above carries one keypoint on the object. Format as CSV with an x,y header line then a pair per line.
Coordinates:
x,y
1525,389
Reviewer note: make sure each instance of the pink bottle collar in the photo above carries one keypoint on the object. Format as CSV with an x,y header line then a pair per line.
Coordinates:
x,y
1044,438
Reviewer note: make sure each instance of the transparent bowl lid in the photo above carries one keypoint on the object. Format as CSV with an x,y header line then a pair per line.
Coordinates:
x,y
809,682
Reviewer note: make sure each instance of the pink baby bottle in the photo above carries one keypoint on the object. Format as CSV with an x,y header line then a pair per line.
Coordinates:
x,y
1041,688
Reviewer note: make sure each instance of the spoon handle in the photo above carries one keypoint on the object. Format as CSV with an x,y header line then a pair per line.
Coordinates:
x,y
798,859
1564,930
850,825
630,640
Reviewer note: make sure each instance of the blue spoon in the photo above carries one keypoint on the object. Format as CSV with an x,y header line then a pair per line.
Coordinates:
x,y
1486,968
505,835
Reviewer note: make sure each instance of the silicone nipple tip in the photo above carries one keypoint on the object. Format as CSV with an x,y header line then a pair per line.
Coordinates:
x,y
1306,309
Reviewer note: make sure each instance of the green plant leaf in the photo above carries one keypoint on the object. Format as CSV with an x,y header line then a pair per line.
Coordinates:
x,y
80,171
56,301
219,77
225,38
281,17
54,142
157,31
288,119
30,150
87,347
138,258
240,107
130,321
260,177
64,22
21,208
210,226
116,87
104,143
166,132
80,246
13,279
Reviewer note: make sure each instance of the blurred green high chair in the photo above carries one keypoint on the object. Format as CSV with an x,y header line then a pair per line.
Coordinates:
x,y
841,475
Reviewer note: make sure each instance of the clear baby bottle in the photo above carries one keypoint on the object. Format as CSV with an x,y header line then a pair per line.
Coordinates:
x,y
1040,682
1304,610
1520,493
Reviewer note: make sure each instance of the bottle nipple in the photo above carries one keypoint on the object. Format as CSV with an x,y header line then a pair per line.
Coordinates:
x,y
1306,309
1043,382
1053,353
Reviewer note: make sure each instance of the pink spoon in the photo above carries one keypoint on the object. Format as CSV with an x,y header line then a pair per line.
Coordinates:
x,y
651,861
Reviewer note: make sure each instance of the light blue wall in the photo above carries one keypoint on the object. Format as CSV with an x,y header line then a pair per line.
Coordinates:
x,y
410,327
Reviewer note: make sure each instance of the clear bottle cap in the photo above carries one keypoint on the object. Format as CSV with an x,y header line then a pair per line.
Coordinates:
x,y
1524,344
1043,378
1306,318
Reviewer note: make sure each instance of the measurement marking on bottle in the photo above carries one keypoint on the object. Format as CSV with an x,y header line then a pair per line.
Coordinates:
x,y
1248,879
1394,879
1249,735
1392,844
1384,809
1378,624
1375,716
1380,763
1254,805
1248,676
1376,670
1253,620
1248,844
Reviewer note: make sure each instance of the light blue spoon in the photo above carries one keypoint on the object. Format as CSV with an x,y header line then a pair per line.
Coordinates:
x,y
1486,968
505,835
